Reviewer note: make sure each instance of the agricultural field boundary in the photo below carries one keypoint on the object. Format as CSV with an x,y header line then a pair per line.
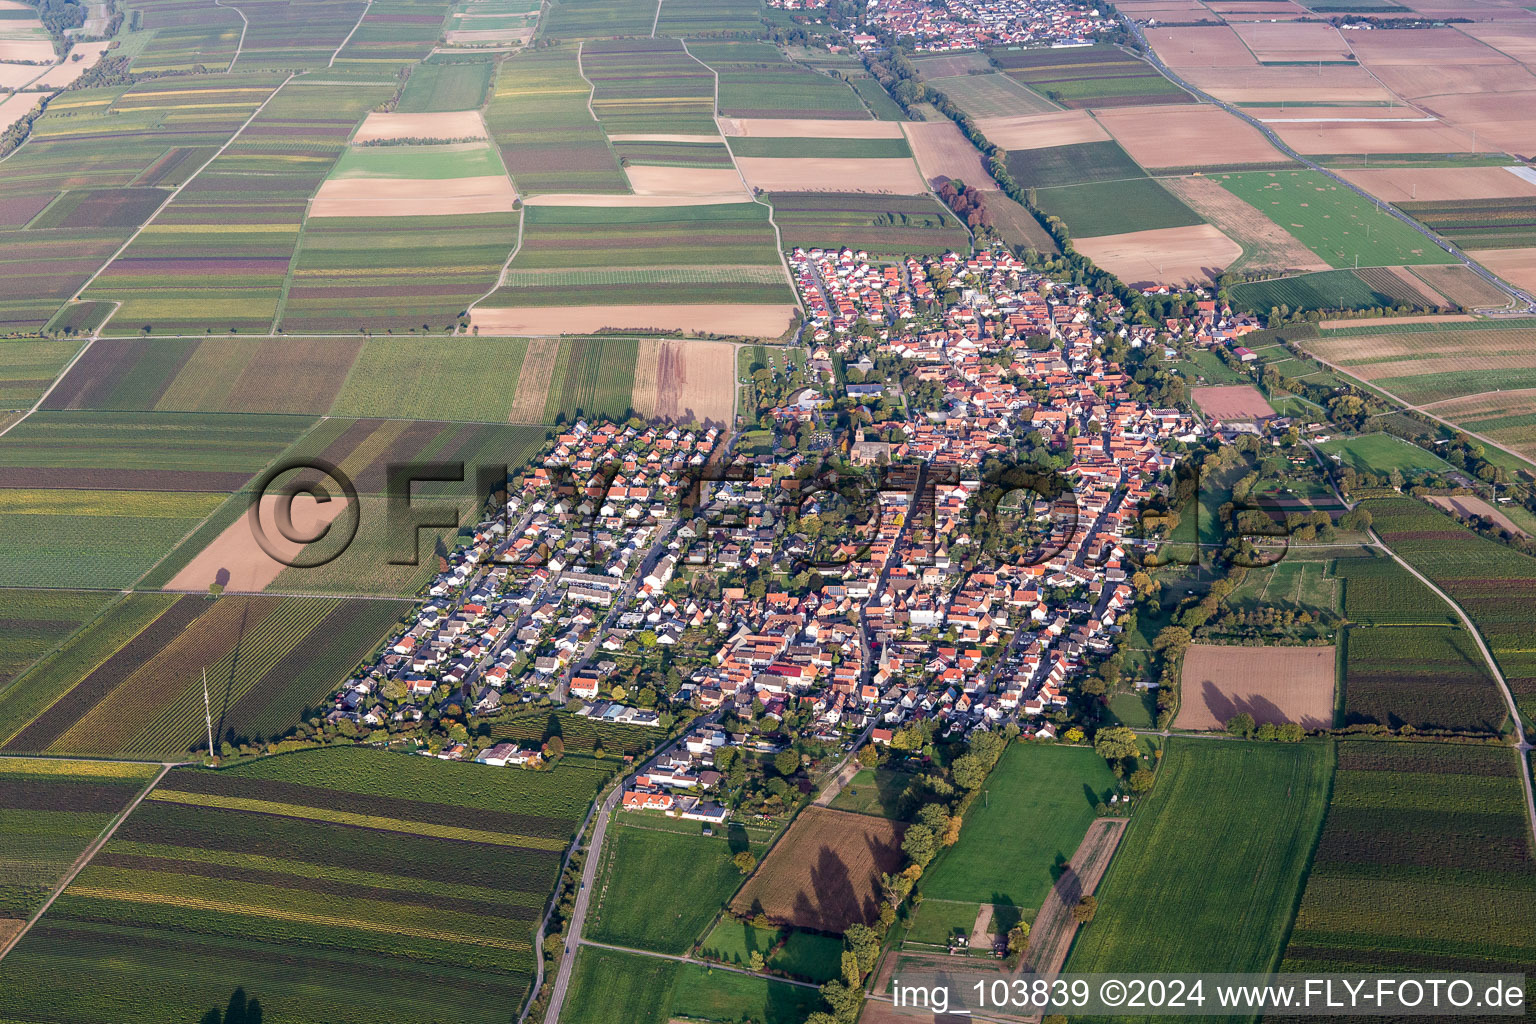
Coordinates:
x,y
244,24
176,192
85,858
332,62
778,239
1367,385
62,373
592,91
713,965
1269,133
501,278
1523,743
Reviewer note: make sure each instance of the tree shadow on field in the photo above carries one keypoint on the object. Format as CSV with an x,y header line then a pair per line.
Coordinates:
x,y
239,1010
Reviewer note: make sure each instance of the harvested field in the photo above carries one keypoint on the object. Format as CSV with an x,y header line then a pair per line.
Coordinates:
x,y
1422,184
1199,47
1375,137
685,182
943,152
1183,255
238,561
1266,245
1517,266
1253,83
808,128
1273,684
824,873
1039,131
1469,505
685,380
1277,42
1232,402
1051,933
457,125
951,64
40,51
1461,286
615,201
822,174
994,95
407,197
1016,225
1429,46
63,75
533,381
1187,135
765,320
17,106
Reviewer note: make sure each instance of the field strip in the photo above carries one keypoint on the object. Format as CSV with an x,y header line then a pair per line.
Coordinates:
x,y
84,859
518,244
591,92
1524,747
714,965
172,196
244,24
424,828
656,20
247,910
778,239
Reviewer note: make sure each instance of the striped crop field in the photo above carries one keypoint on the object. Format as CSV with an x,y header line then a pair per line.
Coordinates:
x,y
335,886
50,811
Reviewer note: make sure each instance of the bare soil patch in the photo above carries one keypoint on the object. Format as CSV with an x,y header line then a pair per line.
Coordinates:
x,y
489,35
1375,137
409,197
1461,286
1405,184
1050,937
825,872
1187,135
763,320
1273,684
1472,505
533,381
17,106
1265,244
1184,255
27,50
943,152
687,181
982,935
686,380
237,560
832,174
1517,266
1200,46
1514,38
1037,131
808,128
458,124
1232,402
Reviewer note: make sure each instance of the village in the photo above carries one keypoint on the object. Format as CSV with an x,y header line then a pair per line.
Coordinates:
x,y
960,25
823,593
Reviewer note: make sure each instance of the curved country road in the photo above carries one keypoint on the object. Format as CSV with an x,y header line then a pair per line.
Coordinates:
x,y
1275,140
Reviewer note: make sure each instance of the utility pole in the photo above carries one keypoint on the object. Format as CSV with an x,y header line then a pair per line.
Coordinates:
x,y
208,712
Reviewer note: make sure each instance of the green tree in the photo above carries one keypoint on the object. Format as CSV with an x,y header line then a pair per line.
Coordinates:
x,y
969,771
786,762
1116,743
1140,781
1241,724
745,861
1086,907
920,844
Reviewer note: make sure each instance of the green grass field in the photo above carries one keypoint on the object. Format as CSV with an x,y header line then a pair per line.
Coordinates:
x,y
1338,225
443,87
1071,165
610,987
875,791
459,160
1055,788
639,863
1207,875
1382,453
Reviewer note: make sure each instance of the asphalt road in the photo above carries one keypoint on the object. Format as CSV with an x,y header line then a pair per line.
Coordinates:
x,y
1519,296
